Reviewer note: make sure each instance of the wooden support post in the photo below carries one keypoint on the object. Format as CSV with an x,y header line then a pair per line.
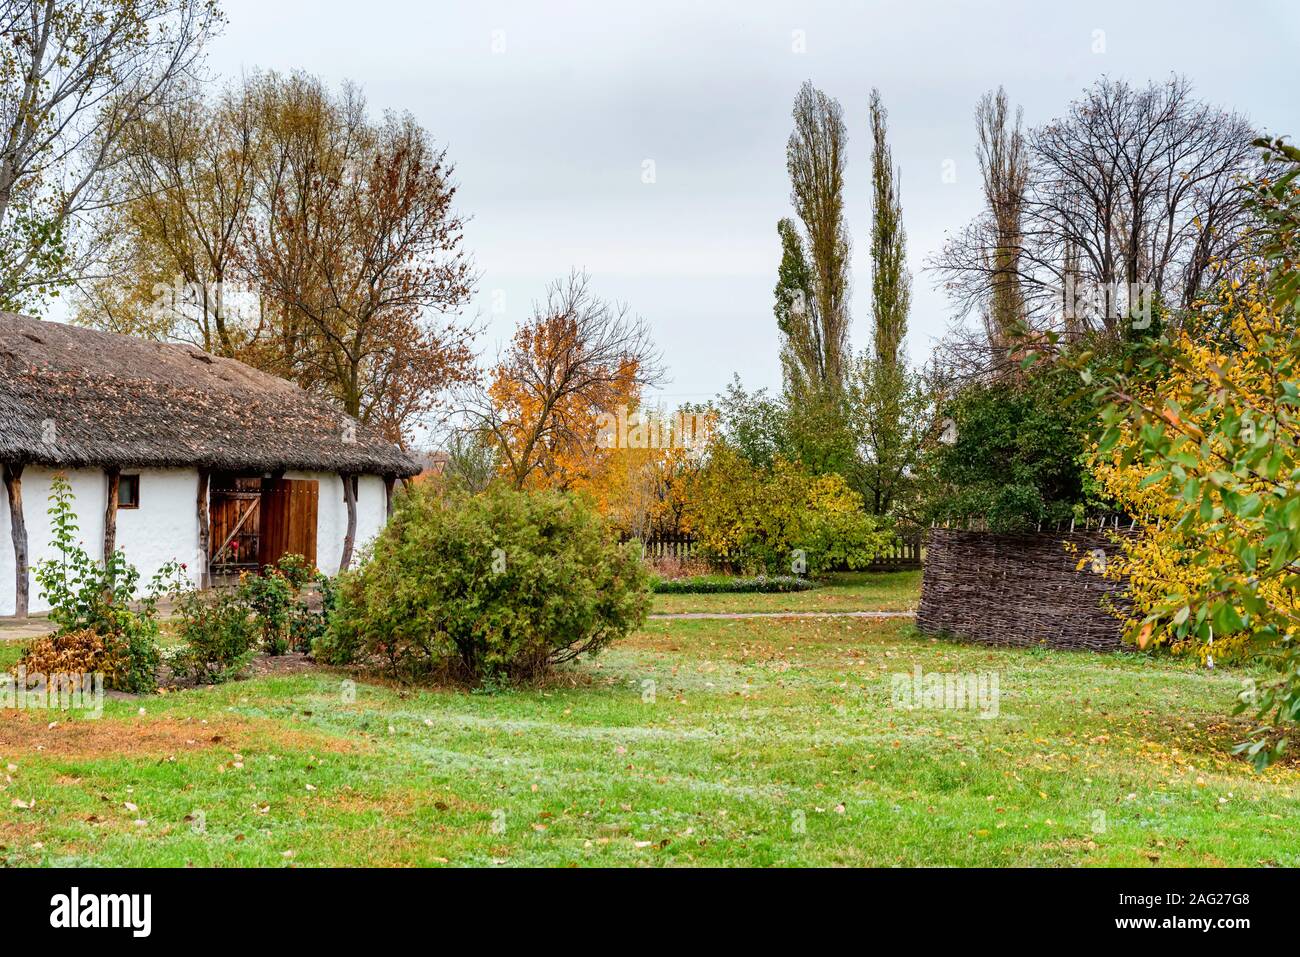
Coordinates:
x,y
350,498
114,474
13,478
205,529
388,497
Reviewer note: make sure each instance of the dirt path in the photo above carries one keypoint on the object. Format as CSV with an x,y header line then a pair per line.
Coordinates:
x,y
688,615
11,630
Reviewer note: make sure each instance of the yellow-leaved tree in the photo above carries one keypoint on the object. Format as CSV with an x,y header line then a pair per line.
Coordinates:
x,y
780,520
1230,355
647,461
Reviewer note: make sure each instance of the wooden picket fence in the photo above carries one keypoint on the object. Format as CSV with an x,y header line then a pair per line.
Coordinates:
x,y
903,554
678,545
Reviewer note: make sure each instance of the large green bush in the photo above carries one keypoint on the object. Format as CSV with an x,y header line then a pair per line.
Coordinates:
x,y
495,586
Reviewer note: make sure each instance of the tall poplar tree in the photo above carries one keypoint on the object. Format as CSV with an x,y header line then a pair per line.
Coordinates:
x,y
891,283
889,407
815,156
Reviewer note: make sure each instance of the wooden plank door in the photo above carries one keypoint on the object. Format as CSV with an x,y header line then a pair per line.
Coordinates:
x,y
234,522
289,508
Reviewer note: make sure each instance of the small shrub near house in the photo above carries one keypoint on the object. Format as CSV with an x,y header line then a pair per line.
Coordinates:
x,y
306,624
498,586
270,596
221,628
219,636
277,597
90,605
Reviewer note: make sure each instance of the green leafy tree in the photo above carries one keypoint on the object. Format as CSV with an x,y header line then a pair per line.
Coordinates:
x,y
812,429
796,318
1011,454
892,418
782,519
473,462
1004,161
891,283
815,156
890,409
753,424
818,433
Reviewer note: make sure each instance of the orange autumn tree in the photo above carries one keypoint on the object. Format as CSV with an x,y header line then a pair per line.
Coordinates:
x,y
646,462
577,358
550,439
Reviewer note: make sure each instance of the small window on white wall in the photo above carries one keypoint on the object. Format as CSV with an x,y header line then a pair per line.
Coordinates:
x,y
128,491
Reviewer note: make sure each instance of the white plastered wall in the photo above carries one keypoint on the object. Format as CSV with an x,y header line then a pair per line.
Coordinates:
x,y
164,528
332,515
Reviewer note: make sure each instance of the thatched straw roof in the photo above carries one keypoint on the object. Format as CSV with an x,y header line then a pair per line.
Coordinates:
x,y
73,397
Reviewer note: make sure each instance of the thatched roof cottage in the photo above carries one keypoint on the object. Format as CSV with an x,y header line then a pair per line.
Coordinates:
x,y
176,454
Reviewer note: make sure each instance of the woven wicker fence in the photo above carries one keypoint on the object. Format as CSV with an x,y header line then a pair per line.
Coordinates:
x,y
1019,589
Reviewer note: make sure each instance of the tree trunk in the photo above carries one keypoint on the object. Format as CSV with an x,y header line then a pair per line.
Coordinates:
x,y
205,528
114,475
350,498
13,477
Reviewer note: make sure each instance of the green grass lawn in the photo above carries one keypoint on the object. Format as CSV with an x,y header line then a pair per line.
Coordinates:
x,y
845,591
745,742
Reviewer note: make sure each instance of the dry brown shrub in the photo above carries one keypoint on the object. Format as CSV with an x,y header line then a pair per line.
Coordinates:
x,y
70,652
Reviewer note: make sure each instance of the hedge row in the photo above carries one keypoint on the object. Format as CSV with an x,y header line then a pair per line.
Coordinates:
x,y
718,584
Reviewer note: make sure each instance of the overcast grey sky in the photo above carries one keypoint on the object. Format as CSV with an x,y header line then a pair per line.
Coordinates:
x,y
551,110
